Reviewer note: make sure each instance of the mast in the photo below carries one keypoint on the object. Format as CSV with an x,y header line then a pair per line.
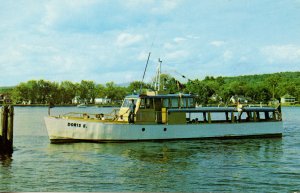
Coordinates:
x,y
157,76
145,72
159,73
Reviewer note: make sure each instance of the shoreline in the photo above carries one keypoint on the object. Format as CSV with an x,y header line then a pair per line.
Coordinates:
x,y
62,105
112,105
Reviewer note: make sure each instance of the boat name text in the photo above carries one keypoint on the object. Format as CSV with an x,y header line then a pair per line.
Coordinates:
x,y
77,125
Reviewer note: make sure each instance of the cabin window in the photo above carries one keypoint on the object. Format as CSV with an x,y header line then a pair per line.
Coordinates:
x,y
174,102
183,102
166,103
127,102
142,104
157,103
149,103
190,102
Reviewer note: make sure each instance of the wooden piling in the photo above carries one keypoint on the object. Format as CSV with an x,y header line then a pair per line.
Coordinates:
x,y
6,129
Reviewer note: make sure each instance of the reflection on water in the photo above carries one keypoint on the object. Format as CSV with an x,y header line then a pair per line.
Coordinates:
x,y
167,166
256,165
5,160
164,152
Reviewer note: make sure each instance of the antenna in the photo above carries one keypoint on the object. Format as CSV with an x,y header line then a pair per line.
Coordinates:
x,y
157,77
145,72
159,72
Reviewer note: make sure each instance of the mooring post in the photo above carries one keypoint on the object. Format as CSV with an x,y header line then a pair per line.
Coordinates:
x,y
10,127
6,129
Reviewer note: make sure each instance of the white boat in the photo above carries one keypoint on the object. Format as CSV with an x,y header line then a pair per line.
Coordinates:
x,y
82,105
160,116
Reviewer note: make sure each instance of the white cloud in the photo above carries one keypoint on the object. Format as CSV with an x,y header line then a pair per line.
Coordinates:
x,y
179,39
227,55
74,39
153,6
168,45
178,54
282,53
165,6
243,59
217,43
60,11
143,56
193,37
126,39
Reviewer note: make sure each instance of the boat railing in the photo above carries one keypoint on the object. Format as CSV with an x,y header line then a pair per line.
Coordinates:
x,y
113,115
232,114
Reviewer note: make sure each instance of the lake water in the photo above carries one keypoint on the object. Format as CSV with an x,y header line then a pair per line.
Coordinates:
x,y
240,165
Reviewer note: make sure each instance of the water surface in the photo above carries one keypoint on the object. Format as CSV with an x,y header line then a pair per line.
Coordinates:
x,y
243,165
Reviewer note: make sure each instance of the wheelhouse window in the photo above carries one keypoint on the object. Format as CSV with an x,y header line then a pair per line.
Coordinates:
x,y
183,102
149,103
174,103
142,104
166,103
127,102
190,102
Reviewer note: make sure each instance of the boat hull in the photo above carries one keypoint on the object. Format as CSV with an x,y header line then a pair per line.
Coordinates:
x,y
69,130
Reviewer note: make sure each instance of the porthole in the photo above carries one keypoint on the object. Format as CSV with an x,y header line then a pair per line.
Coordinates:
x,y
143,129
165,129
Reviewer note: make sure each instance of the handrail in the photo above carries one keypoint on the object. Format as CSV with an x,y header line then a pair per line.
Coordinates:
x,y
113,114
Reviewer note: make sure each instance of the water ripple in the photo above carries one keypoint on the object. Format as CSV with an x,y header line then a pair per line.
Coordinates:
x,y
247,165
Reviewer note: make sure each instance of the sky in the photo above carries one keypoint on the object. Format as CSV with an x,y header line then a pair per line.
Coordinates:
x,y
109,40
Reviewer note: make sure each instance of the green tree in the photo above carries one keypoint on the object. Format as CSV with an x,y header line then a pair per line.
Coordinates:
x,y
272,82
67,91
100,90
200,89
87,91
135,86
170,84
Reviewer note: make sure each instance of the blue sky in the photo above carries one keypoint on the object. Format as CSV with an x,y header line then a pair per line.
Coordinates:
x,y
109,40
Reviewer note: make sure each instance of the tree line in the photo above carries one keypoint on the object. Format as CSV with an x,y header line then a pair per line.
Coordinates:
x,y
256,88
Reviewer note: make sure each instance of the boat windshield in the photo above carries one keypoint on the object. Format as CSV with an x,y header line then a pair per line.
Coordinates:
x,y
127,102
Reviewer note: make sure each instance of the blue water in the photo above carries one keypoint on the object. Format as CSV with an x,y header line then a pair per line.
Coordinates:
x,y
240,165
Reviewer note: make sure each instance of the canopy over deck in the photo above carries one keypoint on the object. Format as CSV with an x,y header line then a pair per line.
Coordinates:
x,y
223,109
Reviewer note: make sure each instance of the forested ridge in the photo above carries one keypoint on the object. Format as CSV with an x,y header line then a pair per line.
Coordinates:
x,y
256,88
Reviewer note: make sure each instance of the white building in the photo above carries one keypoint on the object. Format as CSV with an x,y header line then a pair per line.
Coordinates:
x,y
288,99
102,100
76,100
235,99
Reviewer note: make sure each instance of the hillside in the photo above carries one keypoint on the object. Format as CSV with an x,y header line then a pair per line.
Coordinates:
x,y
284,76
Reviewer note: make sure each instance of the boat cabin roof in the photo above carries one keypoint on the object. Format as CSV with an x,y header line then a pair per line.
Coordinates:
x,y
160,96
224,109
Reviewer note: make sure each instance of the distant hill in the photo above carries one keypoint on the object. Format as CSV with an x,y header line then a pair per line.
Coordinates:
x,y
262,77
6,89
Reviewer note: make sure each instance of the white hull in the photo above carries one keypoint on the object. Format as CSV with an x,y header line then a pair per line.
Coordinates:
x,y
64,130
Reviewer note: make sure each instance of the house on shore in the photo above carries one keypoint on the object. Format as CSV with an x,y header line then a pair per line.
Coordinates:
x,y
102,100
236,98
288,99
76,100
5,99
